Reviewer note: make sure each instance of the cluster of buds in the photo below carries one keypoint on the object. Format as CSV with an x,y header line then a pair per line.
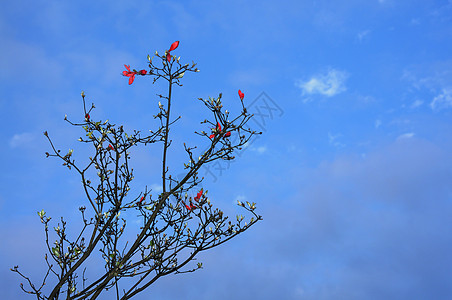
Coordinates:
x,y
197,198
131,74
217,130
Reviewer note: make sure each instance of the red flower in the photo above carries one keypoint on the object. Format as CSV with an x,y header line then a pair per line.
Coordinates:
x,y
218,130
198,195
143,72
241,95
141,200
189,207
87,117
110,147
129,74
173,46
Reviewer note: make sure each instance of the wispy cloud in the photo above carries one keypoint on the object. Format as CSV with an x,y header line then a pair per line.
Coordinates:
x,y
157,188
362,34
21,139
329,84
377,123
443,100
260,149
333,140
407,135
430,81
417,103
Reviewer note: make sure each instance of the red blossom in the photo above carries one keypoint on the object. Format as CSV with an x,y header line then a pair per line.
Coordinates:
x,y
173,46
215,131
189,207
241,95
218,130
110,147
141,200
87,117
129,74
143,72
198,195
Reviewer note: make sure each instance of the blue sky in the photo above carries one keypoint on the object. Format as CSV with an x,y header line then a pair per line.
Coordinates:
x,y
353,174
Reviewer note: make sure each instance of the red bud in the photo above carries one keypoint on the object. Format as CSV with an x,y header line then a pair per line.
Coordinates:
x,y
241,95
174,45
198,195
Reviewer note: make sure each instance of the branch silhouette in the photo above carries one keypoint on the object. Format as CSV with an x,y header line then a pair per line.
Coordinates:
x,y
175,226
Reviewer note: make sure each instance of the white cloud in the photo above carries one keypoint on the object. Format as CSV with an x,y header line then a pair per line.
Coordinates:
x,y
443,100
407,135
377,123
21,139
361,35
329,84
333,140
260,149
417,103
157,188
